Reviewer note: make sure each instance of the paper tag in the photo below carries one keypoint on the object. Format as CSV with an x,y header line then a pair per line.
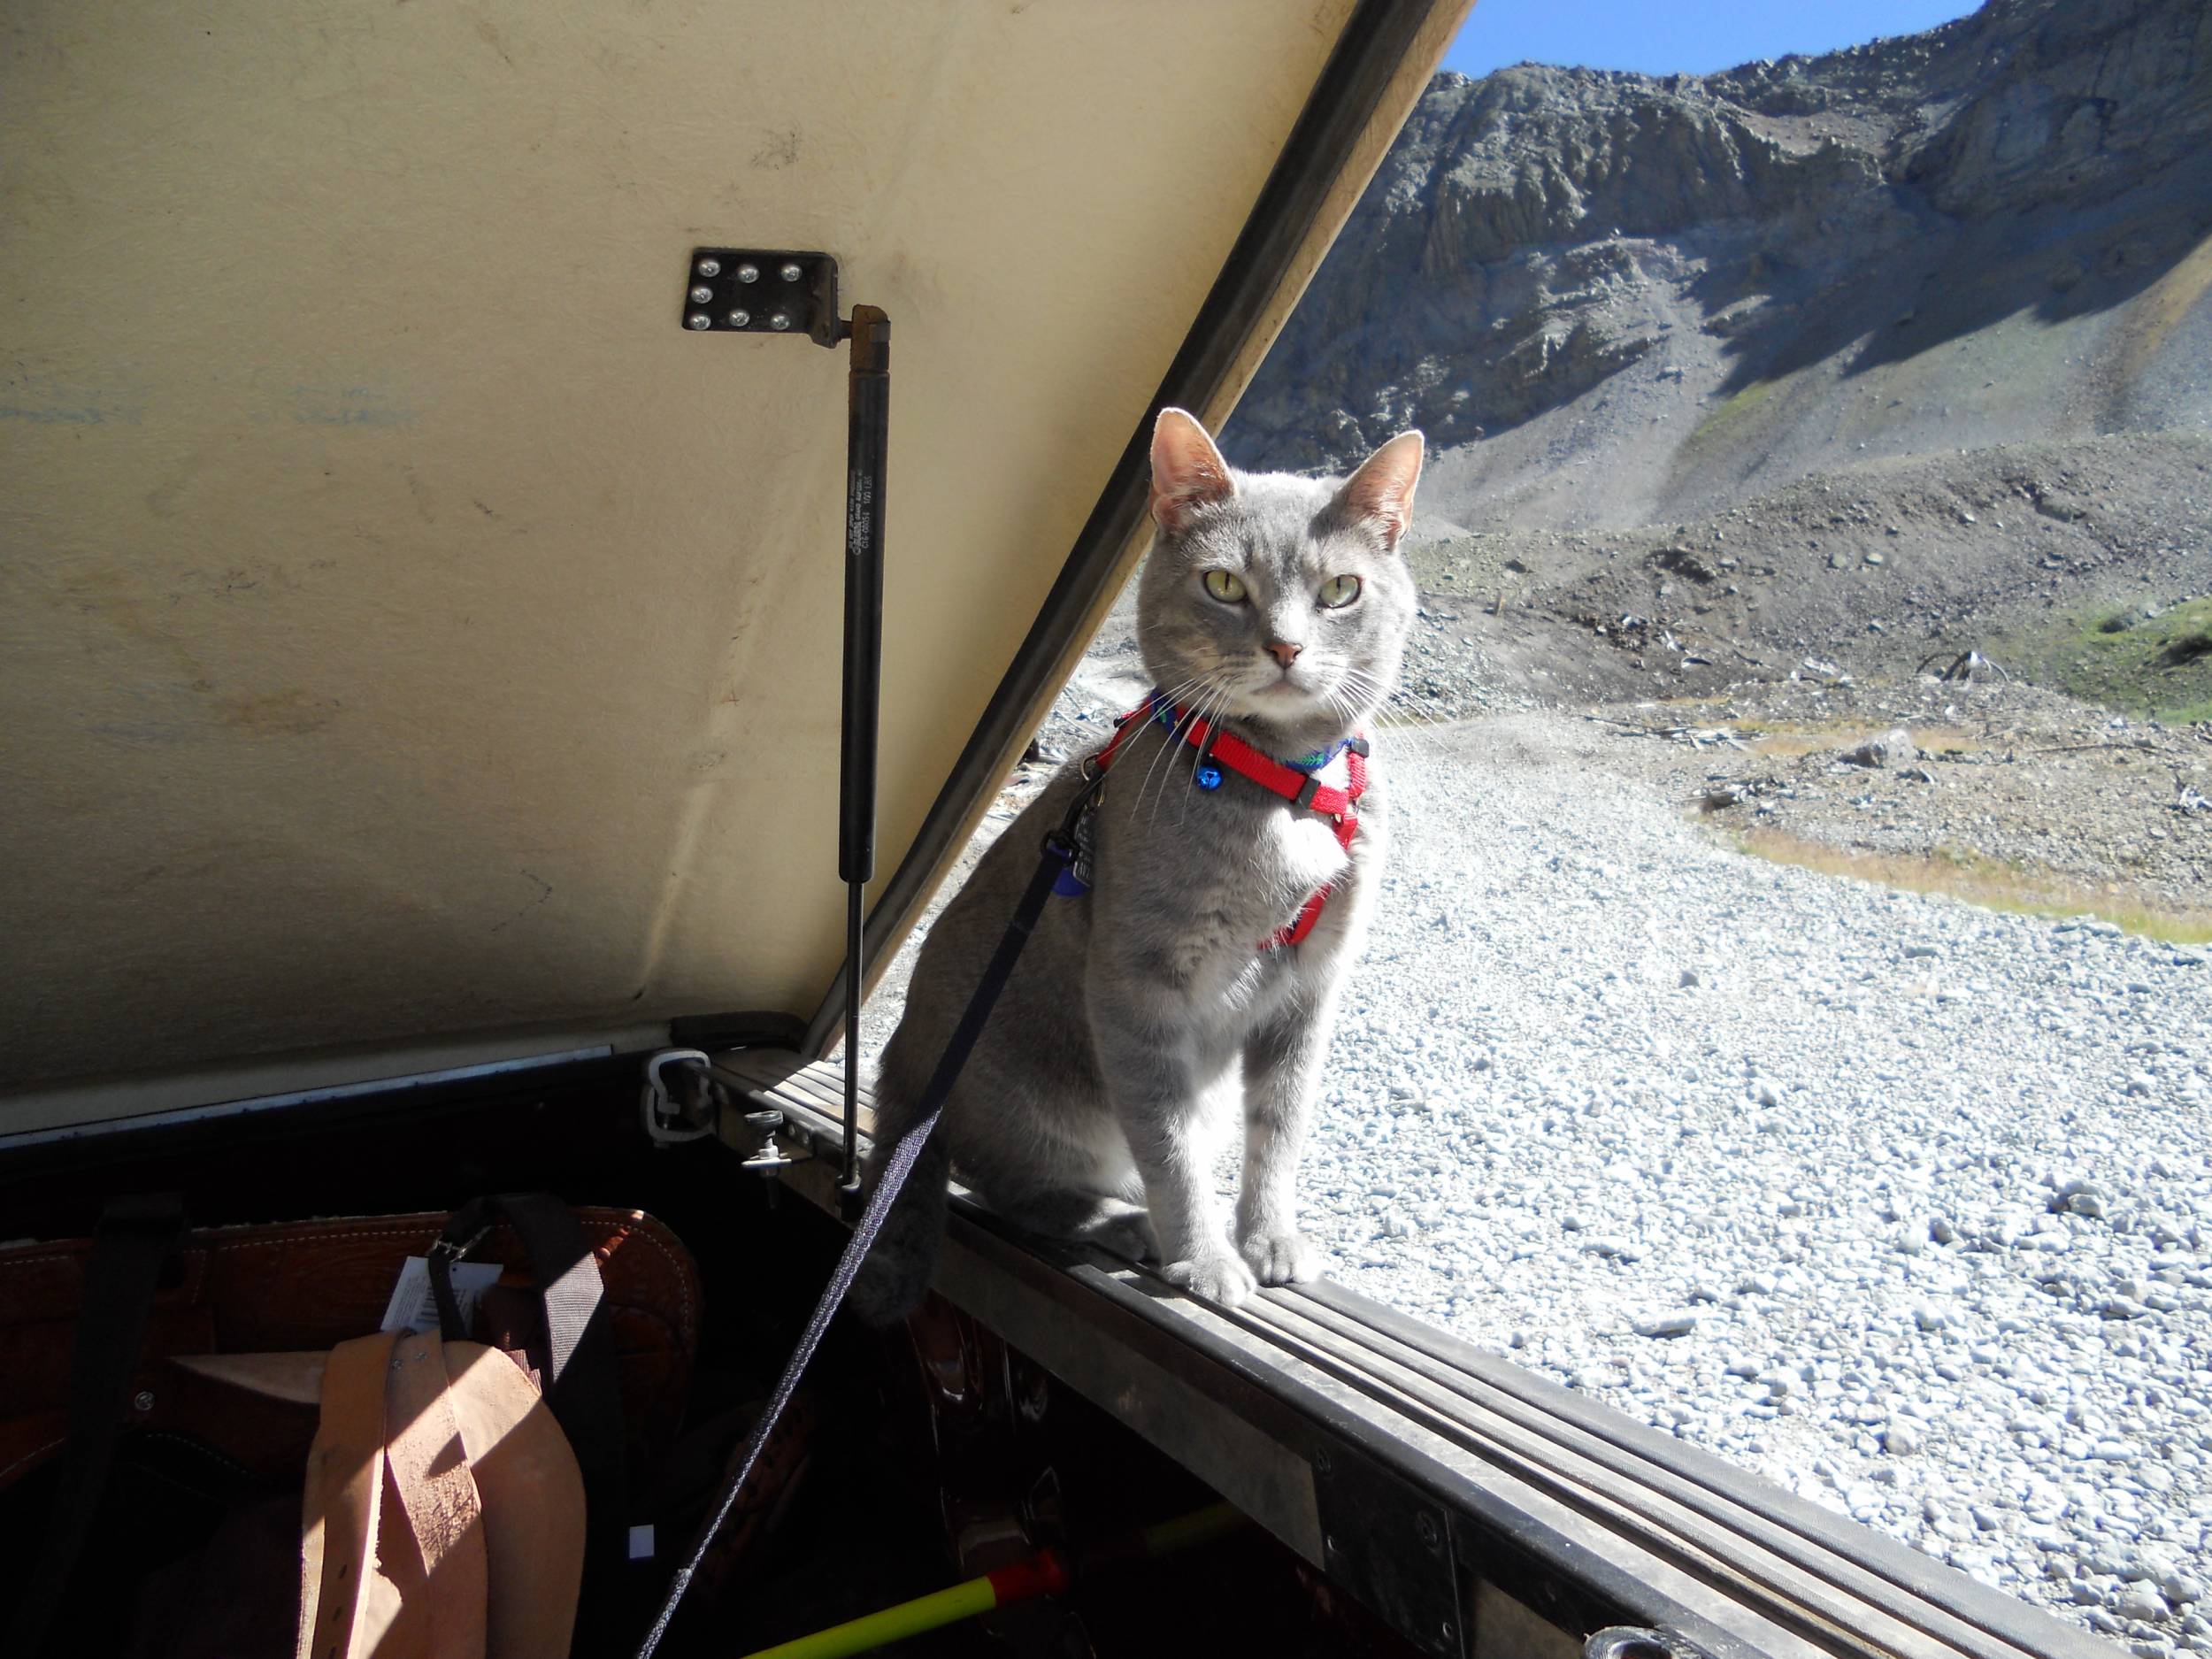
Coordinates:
x,y
642,1542
414,1307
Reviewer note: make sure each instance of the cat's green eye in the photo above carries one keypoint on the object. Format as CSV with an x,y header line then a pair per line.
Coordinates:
x,y
1339,591
1225,587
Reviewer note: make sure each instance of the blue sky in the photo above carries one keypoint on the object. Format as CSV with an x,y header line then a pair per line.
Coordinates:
x,y
1686,36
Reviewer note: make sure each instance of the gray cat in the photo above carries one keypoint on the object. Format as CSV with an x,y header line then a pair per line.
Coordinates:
x,y
1276,607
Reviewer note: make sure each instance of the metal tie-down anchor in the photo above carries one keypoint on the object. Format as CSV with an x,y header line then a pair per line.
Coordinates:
x,y
762,1155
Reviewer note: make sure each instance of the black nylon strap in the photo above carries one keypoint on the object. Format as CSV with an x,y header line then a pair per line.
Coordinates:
x,y
582,1384
134,1237
896,1167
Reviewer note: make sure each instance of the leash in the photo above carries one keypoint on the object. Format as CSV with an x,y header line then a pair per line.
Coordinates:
x,y
1058,855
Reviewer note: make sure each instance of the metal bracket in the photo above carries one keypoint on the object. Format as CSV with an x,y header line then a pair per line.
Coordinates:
x,y
666,1123
762,1155
761,291
1391,1545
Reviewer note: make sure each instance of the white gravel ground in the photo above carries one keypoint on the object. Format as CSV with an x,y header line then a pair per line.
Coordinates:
x,y
1905,1204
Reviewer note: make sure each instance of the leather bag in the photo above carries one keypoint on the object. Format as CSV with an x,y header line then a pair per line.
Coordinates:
x,y
207,1389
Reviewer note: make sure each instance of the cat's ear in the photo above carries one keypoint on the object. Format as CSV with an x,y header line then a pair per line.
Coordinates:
x,y
1188,472
1381,491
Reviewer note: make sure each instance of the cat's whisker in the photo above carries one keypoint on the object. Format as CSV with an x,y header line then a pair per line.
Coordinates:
x,y
1204,709
1198,755
1402,703
1398,707
1421,718
1196,687
1361,688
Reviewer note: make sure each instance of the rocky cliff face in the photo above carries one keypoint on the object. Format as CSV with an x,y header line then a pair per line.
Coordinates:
x,y
1610,298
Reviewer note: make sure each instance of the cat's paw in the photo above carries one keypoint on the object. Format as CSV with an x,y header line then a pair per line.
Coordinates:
x,y
1281,1258
1217,1276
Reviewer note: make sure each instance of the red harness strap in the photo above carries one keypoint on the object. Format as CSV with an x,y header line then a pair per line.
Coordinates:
x,y
1347,827
1299,788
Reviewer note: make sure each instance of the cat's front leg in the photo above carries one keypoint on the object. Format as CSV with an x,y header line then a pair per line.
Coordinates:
x,y
1282,1074
1158,1083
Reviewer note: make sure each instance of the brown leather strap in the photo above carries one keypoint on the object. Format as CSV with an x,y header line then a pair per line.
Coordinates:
x,y
345,1605
444,1511
432,1537
534,1505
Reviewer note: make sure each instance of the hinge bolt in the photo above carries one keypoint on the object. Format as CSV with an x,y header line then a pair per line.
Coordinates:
x,y
709,267
777,321
738,319
791,273
698,319
142,1400
701,294
748,273
1426,1526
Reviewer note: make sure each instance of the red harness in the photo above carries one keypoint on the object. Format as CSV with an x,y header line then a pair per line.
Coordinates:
x,y
1299,788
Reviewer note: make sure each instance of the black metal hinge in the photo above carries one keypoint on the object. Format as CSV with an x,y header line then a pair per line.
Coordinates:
x,y
761,291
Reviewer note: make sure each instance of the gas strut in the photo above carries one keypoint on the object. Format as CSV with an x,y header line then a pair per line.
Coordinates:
x,y
772,291
867,443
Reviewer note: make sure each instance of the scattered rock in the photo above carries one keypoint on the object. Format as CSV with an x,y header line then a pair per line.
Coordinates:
x,y
1894,748
2141,1601
2079,1198
2131,617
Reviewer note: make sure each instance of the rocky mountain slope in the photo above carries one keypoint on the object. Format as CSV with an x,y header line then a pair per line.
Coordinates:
x,y
2080,565
1616,300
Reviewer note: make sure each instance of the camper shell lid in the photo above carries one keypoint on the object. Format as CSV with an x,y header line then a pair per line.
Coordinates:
x,y
422,648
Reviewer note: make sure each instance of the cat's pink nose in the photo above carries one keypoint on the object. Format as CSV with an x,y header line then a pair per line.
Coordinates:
x,y
1283,651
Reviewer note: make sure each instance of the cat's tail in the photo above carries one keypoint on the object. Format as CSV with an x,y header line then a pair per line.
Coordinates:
x,y
896,1277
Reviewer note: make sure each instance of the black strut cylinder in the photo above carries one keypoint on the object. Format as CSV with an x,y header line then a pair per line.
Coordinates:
x,y
867,444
